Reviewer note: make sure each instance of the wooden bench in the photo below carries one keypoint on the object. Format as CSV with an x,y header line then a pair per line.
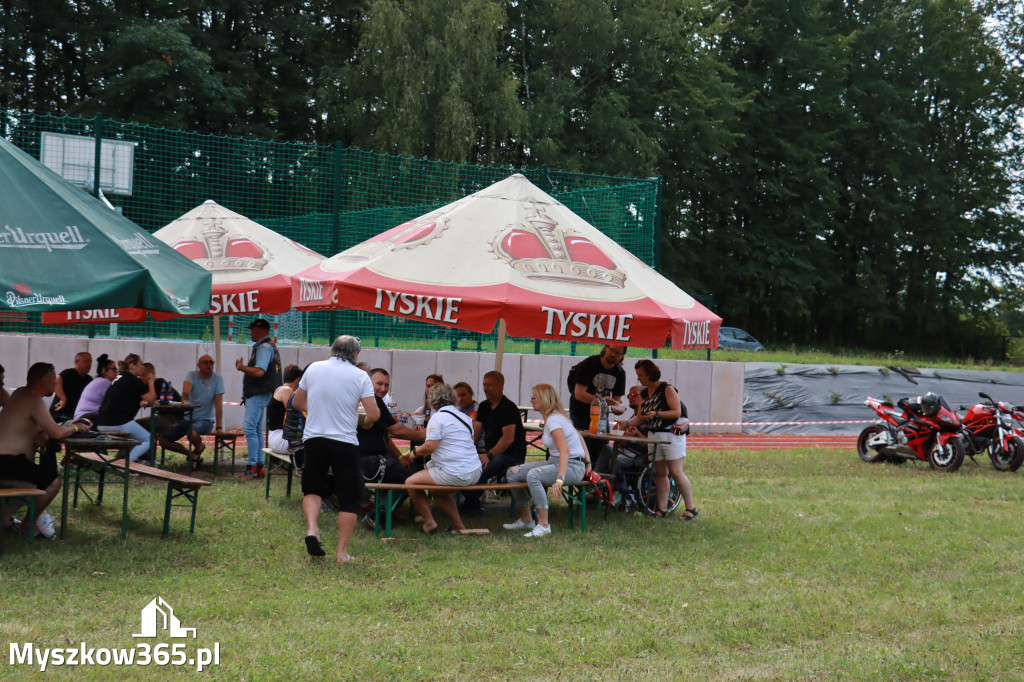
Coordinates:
x,y
178,486
275,461
575,496
26,496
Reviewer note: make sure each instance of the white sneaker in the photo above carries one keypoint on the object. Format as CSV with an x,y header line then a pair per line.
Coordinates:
x,y
538,532
519,524
44,522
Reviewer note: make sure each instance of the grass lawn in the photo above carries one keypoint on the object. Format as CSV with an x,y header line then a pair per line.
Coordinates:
x,y
805,564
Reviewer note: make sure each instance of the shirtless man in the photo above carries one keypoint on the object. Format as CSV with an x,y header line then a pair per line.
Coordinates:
x,y
25,423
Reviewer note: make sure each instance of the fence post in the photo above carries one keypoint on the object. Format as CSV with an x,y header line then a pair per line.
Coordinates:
x,y
98,157
335,227
657,225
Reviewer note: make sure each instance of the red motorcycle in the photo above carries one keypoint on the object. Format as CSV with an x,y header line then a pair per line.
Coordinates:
x,y
925,429
989,426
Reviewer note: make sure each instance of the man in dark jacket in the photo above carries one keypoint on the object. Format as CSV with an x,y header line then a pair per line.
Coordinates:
x,y
262,376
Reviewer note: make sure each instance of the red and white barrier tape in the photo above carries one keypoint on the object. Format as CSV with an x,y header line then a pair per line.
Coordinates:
x,y
853,421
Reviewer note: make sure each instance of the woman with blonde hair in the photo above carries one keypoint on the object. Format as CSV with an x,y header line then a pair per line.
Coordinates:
x,y
568,463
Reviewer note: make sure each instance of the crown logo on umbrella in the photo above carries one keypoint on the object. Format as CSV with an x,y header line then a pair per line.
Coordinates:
x,y
538,248
218,253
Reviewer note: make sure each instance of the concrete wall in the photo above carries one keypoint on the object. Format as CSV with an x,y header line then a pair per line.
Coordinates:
x,y
712,391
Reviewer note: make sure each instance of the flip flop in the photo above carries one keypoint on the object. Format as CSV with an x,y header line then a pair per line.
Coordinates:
x,y
314,547
433,531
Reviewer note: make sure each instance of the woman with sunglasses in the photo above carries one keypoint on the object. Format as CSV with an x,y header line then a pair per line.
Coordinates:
x,y
660,413
127,393
92,395
560,438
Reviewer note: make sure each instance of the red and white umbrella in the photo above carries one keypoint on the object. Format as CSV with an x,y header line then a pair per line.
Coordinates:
x,y
252,266
513,253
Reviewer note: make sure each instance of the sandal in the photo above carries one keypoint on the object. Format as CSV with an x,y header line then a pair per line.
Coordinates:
x,y
690,514
433,531
314,547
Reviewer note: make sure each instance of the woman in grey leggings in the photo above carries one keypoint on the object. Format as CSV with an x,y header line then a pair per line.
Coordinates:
x,y
568,462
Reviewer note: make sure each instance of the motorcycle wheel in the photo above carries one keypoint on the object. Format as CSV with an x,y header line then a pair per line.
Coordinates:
x,y
949,457
863,451
1009,458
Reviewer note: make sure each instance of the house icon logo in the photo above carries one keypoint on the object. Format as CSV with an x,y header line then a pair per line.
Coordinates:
x,y
158,615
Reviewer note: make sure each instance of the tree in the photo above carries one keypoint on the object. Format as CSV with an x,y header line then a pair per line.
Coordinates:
x,y
428,80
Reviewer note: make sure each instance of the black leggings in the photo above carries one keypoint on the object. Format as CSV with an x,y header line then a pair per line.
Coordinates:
x,y
325,455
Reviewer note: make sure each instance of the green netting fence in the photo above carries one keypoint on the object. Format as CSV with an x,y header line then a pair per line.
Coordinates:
x,y
325,197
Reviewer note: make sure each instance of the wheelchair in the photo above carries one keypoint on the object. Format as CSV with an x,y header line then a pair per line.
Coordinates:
x,y
634,487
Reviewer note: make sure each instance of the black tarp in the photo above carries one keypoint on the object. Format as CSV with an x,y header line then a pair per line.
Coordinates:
x,y
774,392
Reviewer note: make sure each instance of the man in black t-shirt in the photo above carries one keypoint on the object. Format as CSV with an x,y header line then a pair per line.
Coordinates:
x,y
375,442
597,372
376,448
70,384
501,424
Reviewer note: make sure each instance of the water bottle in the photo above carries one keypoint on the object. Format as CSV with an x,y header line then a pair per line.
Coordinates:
x,y
602,422
170,392
595,412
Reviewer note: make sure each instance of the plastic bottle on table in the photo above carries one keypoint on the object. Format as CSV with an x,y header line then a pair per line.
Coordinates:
x,y
595,412
602,422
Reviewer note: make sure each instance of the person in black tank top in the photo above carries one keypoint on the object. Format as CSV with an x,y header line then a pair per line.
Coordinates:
x,y
661,412
277,410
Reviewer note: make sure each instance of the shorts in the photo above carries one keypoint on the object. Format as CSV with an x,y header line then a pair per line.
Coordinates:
x,y
671,446
277,442
180,428
442,477
21,468
325,455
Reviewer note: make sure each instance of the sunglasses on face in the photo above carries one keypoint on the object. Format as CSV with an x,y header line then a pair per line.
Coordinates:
x,y
634,394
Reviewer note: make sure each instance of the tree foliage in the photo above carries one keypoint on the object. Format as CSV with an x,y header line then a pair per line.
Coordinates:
x,y
835,171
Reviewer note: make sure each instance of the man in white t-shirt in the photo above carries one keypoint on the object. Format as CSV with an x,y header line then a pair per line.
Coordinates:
x,y
330,392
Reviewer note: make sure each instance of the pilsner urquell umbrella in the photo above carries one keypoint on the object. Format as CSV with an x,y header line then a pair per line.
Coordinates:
x,y
252,265
512,253
63,249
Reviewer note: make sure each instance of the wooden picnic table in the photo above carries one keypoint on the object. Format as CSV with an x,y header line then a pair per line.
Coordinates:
x,y
90,454
538,427
173,410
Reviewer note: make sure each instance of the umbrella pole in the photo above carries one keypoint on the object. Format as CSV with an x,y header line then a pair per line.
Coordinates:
x,y
216,341
499,350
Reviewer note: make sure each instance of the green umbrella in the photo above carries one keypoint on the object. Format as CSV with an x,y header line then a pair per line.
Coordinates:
x,y
63,249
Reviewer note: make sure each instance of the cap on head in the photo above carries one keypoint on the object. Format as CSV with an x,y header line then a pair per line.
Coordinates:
x,y
261,323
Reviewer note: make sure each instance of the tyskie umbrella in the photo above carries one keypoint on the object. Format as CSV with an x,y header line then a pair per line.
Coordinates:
x,y
511,252
252,265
